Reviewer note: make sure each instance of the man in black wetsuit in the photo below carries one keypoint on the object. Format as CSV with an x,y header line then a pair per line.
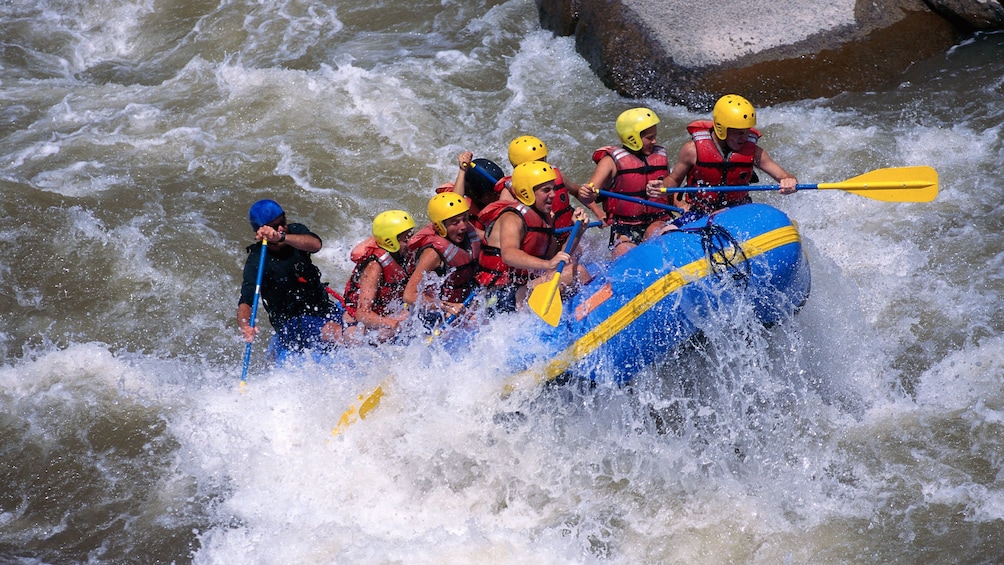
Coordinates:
x,y
299,306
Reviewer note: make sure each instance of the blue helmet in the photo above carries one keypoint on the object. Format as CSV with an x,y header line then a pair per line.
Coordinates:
x,y
263,212
480,178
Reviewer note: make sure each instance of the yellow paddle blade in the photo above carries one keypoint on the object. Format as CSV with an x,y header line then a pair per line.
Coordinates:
x,y
545,300
895,184
367,402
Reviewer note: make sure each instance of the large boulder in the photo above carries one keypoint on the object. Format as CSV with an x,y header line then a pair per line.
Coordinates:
x,y
971,15
768,50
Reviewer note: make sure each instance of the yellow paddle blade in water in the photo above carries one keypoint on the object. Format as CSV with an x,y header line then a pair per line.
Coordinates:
x,y
545,300
366,404
895,184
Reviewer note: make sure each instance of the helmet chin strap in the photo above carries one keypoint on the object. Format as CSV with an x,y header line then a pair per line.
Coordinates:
x,y
723,146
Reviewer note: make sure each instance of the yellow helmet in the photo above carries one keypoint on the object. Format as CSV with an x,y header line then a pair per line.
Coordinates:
x,y
444,206
528,175
631,123
732,111
390,224
526,148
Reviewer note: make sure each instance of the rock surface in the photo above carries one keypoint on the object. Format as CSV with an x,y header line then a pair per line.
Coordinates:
x,y
971,15
768,50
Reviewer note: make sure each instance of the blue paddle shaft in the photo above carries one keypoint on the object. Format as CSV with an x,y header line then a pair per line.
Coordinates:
x,y
452,317
571,241
483,172
594,224
733,188
619,196
254,308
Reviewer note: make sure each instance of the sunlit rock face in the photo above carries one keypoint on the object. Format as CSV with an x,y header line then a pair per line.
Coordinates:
x,y
770,50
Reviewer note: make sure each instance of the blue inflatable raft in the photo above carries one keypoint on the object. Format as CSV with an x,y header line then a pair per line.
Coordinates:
x,y
649,300
654,297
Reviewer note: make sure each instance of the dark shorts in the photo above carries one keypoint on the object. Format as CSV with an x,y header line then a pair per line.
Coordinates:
x,y
304,332
635,232
501,299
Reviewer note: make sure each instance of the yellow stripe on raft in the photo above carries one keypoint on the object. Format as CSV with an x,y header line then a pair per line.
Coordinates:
x,y
640,304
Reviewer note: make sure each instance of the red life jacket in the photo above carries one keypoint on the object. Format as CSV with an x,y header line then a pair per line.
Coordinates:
x,y
502,184
475,215
461,263
395,277
633,174
492,270
561,209
714,168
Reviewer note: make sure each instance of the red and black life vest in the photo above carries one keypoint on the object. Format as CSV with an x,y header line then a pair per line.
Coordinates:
x,y
561,209
460,262
539,233
633,173
715,168
395,277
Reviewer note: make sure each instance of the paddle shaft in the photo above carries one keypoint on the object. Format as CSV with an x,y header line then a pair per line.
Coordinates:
x,y
481,171
594,224
551,287
894,184
878,185
619,196
254,308
453,317
568,245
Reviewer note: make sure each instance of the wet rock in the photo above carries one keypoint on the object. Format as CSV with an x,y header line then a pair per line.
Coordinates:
x,y
971,15
768,50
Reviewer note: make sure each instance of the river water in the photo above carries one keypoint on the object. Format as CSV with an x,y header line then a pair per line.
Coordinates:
x,y
135,134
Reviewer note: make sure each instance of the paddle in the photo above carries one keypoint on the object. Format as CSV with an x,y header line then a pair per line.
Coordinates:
x,y
453,317
895,184
482,183
367,402
481,170
593,224
254,311
619,196
545,299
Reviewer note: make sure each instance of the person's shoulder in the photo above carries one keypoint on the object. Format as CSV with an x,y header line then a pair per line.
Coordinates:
x,y
296,228
605,153
429,257
511,214
689,149
373,267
